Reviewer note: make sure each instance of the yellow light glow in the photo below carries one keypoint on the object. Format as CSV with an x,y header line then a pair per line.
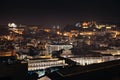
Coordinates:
x,y
85,27
85,24
65,34
99,27
87,33
47,30
58,32
108,27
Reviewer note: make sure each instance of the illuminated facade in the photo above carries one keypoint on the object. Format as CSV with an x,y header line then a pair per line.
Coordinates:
x,y
43,64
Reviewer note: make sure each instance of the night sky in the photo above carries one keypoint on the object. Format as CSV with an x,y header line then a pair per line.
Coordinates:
x,y
58,12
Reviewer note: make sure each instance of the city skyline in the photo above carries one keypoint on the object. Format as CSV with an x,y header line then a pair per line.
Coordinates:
x,y
58,12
